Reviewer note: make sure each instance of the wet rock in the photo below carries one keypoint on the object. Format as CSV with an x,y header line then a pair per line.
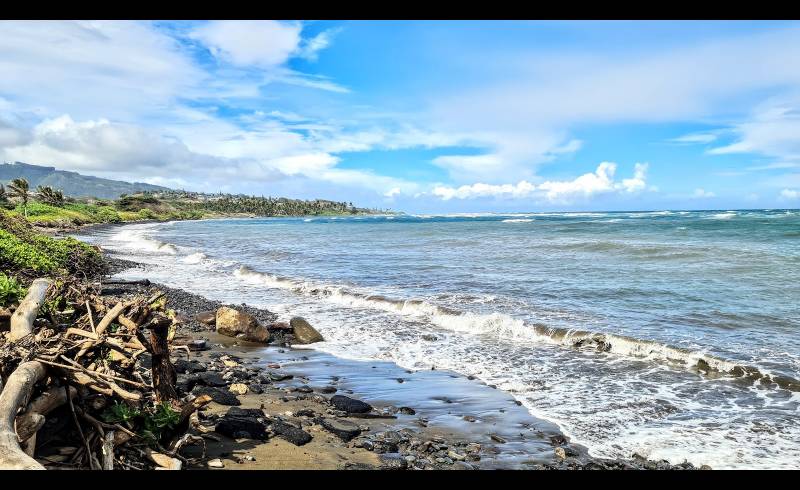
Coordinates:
x,y
234,323
304,333
430,338
558,440
342,429
290,433
560,453
218,395
469,418
406,411
197,345
705,467
328,389
211,378
256,388
274,376
279,326
497,438
349,405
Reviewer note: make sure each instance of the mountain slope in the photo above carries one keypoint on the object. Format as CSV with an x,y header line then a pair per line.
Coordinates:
x,y
72,183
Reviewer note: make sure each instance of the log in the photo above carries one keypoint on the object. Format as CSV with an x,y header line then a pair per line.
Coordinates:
x,y
27,427
42,405
108,451
109,317
164,375
23,317
16,393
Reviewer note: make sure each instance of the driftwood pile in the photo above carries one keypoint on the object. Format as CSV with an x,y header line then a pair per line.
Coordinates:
x,y
87,382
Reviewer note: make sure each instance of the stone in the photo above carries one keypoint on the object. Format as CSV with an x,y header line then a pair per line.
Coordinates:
x,y
454,455
290,433
497,438
342,429
255,388
183,366
211,378
328,389
207,318
560,453
215,463
242,424
197,345
280,326
407,411
229,363
349,405
234,323
238,388
430,338
392,461
304,333
218,395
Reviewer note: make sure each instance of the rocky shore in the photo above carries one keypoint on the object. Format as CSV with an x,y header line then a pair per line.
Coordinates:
x,y
263,417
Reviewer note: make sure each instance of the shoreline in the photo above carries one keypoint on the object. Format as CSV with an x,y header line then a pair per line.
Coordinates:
x,y
408,433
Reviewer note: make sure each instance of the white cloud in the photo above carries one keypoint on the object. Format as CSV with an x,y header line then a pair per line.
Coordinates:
x,y
700,193
266,43
601,181
695,138
394,191
790,194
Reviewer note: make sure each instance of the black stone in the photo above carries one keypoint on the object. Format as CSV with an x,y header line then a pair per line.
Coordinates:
x,y
296,436
350,405
342,429
223,397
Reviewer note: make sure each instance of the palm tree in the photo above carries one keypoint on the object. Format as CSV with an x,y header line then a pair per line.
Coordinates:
x,y
19,189
50,196
3,196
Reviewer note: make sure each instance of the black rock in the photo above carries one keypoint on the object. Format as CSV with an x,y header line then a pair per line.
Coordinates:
x,y
187,366
393,461
223,397
243,424
350,405
255,388
273,376
296,436
197,345
407,410
211,378
328,389
340,428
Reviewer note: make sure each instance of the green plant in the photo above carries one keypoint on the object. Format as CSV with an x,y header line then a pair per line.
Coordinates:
x,y
11,291
19,188
119,413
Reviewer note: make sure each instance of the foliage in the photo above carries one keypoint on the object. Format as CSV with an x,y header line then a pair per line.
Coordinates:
x,y
48,195
11,291
153,422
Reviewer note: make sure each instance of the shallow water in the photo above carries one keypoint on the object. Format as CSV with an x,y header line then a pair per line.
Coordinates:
x,y
675,335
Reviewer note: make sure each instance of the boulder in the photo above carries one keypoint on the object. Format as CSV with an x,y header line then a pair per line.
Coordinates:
x,y
304,333
350,405
243,422
238,389
234,323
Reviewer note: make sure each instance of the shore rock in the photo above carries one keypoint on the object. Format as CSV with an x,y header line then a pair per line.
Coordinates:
x,y
350,405
342,429
218,395
290,433
304,333
243,424
207,318
234,323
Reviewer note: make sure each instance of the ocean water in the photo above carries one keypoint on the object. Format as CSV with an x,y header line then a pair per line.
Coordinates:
x,y
671,334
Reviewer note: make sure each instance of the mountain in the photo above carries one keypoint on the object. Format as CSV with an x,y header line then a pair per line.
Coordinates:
x,y
72,183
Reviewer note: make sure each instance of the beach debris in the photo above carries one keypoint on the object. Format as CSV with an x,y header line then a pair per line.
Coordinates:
x,y
215,463
304,333
100,367
235,323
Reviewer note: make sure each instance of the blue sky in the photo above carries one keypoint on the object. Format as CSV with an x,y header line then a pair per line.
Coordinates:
x,y
425,116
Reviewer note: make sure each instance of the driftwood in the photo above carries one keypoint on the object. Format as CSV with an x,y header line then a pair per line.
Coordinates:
x,y
15,394
23,317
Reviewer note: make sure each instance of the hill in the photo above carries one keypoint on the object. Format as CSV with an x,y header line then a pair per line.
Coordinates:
x,y
73,183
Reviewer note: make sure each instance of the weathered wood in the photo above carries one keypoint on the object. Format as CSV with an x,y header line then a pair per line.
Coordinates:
x,y
27,427
108,451
164,375
15,394
109,317
23,317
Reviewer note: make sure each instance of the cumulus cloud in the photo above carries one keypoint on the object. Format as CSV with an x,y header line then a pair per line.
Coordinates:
x,y
265,43
601,181
790,194
700,193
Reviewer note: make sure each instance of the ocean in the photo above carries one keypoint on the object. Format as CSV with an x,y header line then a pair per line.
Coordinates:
x,y
671,334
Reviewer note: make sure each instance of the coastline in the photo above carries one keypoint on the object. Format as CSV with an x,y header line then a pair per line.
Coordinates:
x,y
424,440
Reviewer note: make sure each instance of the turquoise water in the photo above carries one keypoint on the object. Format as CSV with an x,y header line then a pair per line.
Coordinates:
x,y
671,334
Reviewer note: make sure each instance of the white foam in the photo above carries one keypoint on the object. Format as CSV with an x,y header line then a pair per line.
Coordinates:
x,y
518,220
194,258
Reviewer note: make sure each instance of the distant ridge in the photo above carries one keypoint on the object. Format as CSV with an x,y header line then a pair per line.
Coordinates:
x,y
72,183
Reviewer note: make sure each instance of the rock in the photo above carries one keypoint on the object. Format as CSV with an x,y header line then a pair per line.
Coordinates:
x,y
280,326
296,436
273,376
558,440
469,418
497,438
183,366
235,323
455,456
705,467
392,461
430,338
215,463
304,333
560,453
238,388
242,424
223,397
461,465
349,405
229,363
256,388
328,389
407,410
340,428
211,378
207,318
197,345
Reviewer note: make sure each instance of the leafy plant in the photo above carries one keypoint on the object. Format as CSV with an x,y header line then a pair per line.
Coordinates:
x,y
19,188
11,291
119,413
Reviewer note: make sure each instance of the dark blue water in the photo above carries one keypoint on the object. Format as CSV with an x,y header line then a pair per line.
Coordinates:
x,y
672,334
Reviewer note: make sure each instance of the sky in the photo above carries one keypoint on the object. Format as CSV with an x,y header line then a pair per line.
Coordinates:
x,y
417,116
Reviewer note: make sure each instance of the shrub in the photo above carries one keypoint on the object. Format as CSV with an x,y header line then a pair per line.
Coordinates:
x,y
11,291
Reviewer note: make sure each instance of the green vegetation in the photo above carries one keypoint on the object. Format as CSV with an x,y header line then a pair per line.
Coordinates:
x,y
29,253
11,291
19,189
152,422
